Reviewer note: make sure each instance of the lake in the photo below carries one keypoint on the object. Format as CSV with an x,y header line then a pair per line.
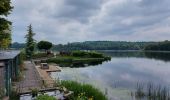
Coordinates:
x,y
118,78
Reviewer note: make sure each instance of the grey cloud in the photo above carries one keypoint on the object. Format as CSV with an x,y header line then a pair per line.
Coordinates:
x,y
131,15
63,21
79,10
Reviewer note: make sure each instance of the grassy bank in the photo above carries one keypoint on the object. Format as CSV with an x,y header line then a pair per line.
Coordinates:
x,y
83,91
79,59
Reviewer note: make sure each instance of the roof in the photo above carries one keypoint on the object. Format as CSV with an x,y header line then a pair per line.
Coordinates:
x,y
8,54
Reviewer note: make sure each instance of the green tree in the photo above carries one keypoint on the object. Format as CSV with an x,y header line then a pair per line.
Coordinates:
x,y
30,42
5,30
44,45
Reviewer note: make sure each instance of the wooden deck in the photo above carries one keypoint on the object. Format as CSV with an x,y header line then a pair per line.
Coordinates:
x,y
30,80
45,74
35,77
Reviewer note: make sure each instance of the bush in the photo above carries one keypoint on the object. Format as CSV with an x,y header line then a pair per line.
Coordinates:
x,y
83,90
87,54
34,92
59,60
42,55
45,97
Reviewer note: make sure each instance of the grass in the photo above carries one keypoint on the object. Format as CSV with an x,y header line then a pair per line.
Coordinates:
x,y
152,92
45,97
79,59
83,91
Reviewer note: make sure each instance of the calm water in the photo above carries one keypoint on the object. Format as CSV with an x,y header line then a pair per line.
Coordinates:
x,y
118,77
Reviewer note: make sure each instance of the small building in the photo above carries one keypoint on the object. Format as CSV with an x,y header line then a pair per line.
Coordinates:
x,y
9,69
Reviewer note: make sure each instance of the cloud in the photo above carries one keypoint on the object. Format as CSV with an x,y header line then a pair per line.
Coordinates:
x,y
62,21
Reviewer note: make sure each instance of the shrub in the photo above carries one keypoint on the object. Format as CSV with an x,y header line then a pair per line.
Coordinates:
x,y
34,92
87,54
59,60
42,55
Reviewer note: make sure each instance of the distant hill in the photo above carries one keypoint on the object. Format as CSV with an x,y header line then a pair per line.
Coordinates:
x,y
17,45
95,45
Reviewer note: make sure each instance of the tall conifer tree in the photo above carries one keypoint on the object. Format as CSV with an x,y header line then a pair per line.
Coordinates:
x,y
30,42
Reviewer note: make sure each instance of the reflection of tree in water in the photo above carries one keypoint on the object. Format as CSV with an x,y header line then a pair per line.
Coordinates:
x,y
158,55
164,56
125,54
85,64
82,63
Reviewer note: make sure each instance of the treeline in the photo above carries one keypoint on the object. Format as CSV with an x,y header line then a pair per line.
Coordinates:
x,y
95,45
102,45
159,46
107,45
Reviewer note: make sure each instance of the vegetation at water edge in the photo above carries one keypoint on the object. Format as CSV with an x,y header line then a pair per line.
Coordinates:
x,y
83,91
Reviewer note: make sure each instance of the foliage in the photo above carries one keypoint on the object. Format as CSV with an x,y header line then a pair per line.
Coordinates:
x,y
45,97
160,46
44,45
42,55
5,30
102,45
79,59
5,7
97,45
34,92
87,54
30,42
83,91
82,96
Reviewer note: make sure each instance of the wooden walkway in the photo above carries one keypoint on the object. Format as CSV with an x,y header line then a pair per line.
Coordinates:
x,y
31,79
34,77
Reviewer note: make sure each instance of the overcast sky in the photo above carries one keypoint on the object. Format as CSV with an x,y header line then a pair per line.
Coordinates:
x,y
62,21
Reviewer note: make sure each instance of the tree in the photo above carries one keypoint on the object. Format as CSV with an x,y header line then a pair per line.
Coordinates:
x,y
44,45
5,25
30,42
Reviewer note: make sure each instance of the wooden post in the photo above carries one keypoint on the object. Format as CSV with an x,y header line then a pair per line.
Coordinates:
x,y
17,67
7,78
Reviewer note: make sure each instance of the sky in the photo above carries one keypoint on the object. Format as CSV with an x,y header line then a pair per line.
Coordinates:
x,y
63,21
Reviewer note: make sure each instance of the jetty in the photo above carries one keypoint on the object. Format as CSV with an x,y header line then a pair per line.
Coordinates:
x,y
45,73
38,78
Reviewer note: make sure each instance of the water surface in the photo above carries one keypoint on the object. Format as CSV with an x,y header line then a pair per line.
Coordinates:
x,y
118,77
